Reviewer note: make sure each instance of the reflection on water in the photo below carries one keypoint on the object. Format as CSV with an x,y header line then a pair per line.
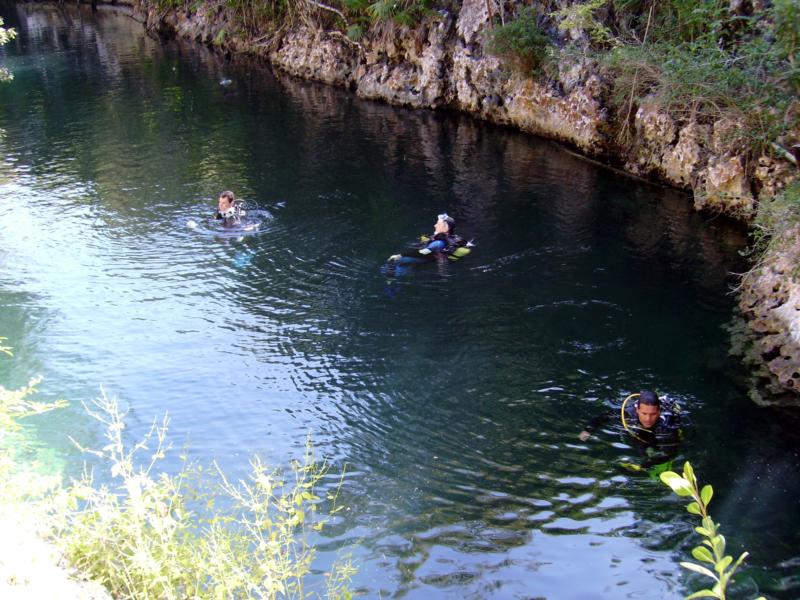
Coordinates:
x,y
455,393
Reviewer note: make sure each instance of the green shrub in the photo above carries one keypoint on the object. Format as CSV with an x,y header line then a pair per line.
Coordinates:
x,y
712,550
149,534
774,216
697,60
521,43
147,537
581,16
6,35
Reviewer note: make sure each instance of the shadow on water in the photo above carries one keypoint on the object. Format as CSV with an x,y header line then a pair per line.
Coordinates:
x,y
456,398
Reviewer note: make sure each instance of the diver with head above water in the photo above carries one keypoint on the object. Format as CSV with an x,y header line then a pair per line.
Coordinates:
x,y
443,242
229,210
653,424
232,216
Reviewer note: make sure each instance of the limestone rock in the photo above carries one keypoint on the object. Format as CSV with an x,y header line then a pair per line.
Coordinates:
x,y
681,162
476,80
770,304
472,19
654,125
313,54
725,188
654,131
773,175
578,118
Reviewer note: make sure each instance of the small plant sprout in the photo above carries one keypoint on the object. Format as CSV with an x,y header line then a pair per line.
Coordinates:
x,y
712,550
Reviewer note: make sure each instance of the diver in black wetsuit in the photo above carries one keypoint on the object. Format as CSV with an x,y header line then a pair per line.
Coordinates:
x,y
443,241
653,425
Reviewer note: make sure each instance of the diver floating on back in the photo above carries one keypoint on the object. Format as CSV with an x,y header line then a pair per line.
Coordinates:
x,y
444,242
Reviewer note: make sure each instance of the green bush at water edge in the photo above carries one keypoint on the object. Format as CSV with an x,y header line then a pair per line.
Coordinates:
x,y
148,535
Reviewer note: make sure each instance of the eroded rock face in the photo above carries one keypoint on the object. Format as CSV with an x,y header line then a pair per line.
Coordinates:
x,y
770,304
444,65
725,188
682,161
313,54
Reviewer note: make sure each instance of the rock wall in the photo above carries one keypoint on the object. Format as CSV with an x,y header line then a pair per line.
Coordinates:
x,y
444,64
767,335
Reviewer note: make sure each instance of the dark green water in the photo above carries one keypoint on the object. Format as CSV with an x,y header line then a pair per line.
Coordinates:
x,y
453,393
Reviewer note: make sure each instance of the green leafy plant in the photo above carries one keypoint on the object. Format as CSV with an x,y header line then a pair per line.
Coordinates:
x,y
6,35
521,42
148,537
699,60
774,218
151,534
16,404
712,550
581,16
402,12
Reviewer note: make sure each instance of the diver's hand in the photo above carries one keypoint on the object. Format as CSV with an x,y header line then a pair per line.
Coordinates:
x,y
584,435
395,257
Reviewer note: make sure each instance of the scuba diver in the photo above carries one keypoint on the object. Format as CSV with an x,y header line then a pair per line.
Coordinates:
x,y
230,211
443,242
653,424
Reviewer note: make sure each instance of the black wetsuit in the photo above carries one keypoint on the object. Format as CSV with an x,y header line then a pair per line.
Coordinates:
x,y
441,243
659,443
229,221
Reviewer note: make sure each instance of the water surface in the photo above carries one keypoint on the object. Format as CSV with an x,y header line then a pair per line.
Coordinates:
x,y
453,393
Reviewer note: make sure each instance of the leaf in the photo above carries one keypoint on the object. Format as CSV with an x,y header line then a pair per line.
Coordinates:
x,y
724,563
699,569
678,484
702,553
738,562
688,472
694,508
706,494
355,32
702,594
718,544
703,531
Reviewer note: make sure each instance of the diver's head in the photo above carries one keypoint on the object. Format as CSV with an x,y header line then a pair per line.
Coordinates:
x,y
444,224
648,408
226,204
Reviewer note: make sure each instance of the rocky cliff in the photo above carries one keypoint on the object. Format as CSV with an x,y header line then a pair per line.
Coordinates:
x,y
767,334
444,63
